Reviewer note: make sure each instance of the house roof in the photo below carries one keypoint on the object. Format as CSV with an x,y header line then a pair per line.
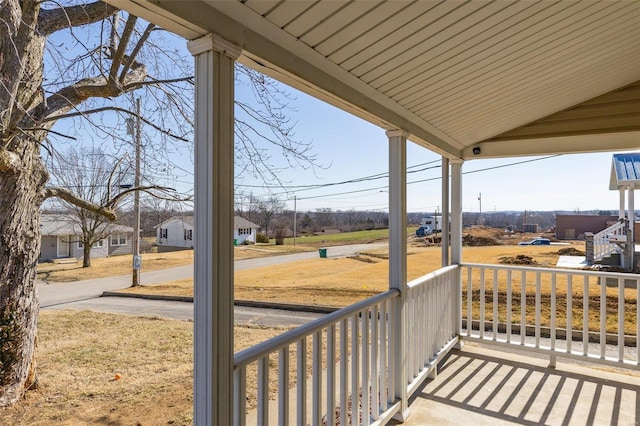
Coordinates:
x,y
187,219
64,224
238,222
465,79
625,171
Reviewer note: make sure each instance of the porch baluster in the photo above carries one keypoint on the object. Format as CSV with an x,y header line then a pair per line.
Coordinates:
x,y
283,386
523,307
495,305
621,309
603,317
569,312
509,306
344,363
482,301
331,375
585,316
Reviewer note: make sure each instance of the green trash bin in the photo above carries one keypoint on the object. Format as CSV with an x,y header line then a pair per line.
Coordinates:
x,y
235,242
323,252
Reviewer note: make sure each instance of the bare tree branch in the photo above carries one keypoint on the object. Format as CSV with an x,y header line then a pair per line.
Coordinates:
x,y
117,57
129,60
71,198
111,175
151,190
117,109
67,98
52,20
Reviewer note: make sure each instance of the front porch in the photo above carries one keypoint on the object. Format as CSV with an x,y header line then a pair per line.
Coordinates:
x,y
350,363
482,386
467,80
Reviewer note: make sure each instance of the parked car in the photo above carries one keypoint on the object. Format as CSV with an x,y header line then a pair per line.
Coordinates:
x,y
424,231
536,242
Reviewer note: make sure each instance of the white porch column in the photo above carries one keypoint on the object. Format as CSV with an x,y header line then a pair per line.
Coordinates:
x,y
398,263
444,223
456,236
213,270
632,225
456,212
621,203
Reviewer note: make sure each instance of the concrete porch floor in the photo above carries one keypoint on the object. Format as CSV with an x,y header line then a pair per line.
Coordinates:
x,y
481,386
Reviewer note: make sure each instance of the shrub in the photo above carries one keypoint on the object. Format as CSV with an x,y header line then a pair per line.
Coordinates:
x,y
261,238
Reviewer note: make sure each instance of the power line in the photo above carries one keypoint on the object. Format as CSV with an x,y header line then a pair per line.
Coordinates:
x,y
300,188
432,179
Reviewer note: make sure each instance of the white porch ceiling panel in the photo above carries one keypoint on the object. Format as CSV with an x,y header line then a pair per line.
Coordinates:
x,y
455,74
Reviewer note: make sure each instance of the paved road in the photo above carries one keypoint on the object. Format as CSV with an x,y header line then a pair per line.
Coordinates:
x,y
55,294
86,294
184,311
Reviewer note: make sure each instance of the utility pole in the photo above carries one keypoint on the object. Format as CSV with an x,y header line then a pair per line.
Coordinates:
x,y
480,216
137,260
295,214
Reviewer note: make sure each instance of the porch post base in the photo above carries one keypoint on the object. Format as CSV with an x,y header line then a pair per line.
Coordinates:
x,y
433,374
459,345
552,361
402,416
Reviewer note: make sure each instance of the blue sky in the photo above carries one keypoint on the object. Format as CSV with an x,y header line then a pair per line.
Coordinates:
x,y
351,148
354,148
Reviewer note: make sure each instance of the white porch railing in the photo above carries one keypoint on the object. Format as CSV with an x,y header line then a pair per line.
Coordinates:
x,y
349,381
584,315
345,374
602,244
433,321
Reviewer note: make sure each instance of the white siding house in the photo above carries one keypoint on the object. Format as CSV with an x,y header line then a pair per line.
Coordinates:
x,y
178,232
175,233
243,230
61,238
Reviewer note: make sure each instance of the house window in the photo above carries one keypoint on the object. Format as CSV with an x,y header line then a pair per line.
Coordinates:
x,y
163,233
244,231
118,240
188,234
98,243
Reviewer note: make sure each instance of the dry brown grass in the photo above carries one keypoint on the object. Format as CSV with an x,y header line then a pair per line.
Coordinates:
x,y
561,308
121,265
343,281
340,282
80,354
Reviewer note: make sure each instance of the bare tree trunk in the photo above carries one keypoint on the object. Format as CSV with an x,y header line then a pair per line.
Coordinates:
x,y
19,251
86,255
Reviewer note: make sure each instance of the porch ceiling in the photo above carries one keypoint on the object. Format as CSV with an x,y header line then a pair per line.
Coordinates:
x,y
506,78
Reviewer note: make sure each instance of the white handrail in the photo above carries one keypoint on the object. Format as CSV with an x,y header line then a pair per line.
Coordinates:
x,y
602,246
357,369
432,302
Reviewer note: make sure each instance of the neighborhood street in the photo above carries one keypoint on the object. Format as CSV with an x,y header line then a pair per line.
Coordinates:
x,y
87,294
184,310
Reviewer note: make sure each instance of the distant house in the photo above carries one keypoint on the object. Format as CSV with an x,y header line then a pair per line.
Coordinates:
x,y
243,230
61,238
574,226
177,233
